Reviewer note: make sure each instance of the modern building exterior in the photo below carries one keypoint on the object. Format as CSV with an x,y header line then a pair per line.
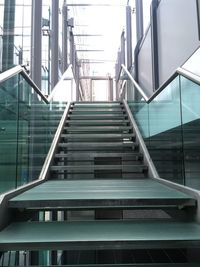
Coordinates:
x,y
99,159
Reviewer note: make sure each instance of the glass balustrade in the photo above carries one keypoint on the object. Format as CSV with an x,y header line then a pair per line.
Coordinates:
x,y
170,126
27,127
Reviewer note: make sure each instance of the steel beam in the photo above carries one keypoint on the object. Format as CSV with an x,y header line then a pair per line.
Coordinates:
x,y
128,38
139,19
54,43
110,90
154,44
36,42
64,38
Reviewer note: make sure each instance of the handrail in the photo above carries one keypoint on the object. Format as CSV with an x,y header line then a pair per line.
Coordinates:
x,y
179,71
45,169
140,90
20,70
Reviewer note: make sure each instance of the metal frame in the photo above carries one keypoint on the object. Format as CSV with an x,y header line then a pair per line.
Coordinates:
x,y
54,44
154,42
128,38
36,42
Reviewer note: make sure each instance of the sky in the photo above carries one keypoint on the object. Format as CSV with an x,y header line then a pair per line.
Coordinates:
x,y
107,21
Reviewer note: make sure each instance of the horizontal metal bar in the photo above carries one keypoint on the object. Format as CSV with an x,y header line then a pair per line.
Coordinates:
x,y
96,77
94,5
88,35
90,50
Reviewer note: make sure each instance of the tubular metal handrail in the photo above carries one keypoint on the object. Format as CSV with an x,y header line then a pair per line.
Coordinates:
x,y
20,70
179,71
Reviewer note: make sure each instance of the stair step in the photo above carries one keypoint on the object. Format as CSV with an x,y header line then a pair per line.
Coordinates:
x,y
99,234
97,117
98,146
124,265
110,129
99,137
98,122
97,105
97,110
92,155
93,168
96,193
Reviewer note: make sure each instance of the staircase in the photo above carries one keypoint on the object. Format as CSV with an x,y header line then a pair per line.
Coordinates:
x,y
99,207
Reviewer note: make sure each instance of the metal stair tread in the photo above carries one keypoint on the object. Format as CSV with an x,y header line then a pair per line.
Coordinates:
x,y
98,145
75,129
95,234
100,192
98,135
98,122
92,155
91,168
96,116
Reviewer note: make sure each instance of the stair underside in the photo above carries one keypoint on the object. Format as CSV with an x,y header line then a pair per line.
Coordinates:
x,y
100,193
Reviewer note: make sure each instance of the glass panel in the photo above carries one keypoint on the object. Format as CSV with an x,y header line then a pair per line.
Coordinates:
x,y
8,133
190,93
27,127
165,142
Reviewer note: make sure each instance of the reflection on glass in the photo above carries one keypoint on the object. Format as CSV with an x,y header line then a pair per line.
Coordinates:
x,y
8,134
27,127
170,126
190,93
165,141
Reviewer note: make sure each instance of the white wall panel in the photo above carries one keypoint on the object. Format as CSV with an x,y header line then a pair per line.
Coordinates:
x,y
177,34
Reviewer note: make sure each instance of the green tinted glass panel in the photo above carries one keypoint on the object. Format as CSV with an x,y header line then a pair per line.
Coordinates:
x,y
8,133
165,142
190,93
